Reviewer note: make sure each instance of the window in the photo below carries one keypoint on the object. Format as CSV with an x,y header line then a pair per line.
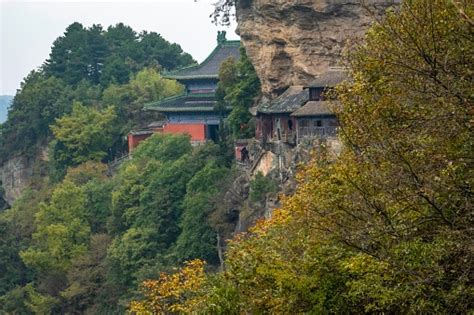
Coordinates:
x,y
317,123
315,94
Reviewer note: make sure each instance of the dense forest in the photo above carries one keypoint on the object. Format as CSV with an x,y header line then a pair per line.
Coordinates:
x,y
96,68
384,228
87,232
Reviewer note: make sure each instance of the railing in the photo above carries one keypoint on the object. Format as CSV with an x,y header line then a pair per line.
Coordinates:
x,y
285,136
113,165
317,132
253,159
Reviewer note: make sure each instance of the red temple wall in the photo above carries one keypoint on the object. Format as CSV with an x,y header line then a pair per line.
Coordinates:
x,y
196,131
134,140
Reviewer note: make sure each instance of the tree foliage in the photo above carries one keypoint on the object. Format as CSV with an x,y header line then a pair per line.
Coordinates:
x,y
172,293
32,111
387,227
82,64
85,135
197,239
166,182
83,237
146,86
238,87
62,232
109,56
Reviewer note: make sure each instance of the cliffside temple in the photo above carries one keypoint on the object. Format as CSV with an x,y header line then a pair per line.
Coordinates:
x,y
193,112
301,112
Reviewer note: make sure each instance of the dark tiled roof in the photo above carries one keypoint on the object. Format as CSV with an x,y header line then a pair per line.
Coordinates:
x,y
140,132
314,108
156,124
185,103
292,99
330,78
209,68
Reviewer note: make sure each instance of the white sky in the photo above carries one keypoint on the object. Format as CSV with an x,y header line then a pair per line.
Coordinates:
x,y
28,28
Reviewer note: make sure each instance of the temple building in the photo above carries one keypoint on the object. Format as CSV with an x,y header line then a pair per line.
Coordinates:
x,y
194,112
301,112
273,118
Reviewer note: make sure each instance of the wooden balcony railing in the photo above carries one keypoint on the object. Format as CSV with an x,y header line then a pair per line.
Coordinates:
x,y
317,132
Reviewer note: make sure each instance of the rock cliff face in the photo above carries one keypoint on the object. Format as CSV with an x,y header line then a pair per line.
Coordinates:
x,y
16,174
291,41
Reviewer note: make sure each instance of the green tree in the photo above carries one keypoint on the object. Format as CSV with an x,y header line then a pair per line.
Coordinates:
x,y
92,178
197,239
164,148
97,51
62,232
260,187
238,87
85,135
68,59
146,205
87,278
33,109
144,87
153,49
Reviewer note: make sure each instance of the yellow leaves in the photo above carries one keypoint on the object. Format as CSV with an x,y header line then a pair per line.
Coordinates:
x,y
363,263
172,292
279,217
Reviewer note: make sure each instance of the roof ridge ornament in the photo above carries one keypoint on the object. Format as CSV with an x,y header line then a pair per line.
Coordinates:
x,y
221,37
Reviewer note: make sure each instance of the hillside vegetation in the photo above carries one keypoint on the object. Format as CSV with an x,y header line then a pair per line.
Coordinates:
x,y
97,68
84,235
385,229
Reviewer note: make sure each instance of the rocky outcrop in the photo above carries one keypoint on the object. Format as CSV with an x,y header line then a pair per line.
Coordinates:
x,y
16,174
279,162
292,41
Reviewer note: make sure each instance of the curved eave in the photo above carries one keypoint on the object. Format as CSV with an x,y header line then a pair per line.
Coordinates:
x,y
175,74
185,109
179,97
273,112
165,100
191,77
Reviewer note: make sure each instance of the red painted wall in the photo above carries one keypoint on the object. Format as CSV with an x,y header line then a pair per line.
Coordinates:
x,y
196,131
134,140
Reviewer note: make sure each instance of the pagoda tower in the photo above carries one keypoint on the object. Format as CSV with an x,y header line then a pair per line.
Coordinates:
x,y
194,112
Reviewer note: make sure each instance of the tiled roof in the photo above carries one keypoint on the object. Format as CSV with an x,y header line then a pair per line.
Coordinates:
x,y
314,108
140,132
185,103
156,124
209,68
292,99
330,78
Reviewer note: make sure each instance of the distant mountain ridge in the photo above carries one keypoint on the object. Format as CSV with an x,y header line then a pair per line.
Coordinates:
x,y
5,101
